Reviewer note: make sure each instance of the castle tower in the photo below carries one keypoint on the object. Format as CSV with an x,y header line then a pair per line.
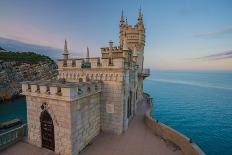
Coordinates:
x,y
135,37
65,54
141,31
121,29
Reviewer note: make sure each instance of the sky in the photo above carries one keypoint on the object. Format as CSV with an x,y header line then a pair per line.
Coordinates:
x,y
180,34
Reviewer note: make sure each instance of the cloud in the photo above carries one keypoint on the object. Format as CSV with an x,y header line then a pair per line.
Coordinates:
x,y
218,33
218,56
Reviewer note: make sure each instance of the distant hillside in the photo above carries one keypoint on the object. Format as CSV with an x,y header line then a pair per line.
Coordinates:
x,y
16,67
15,45
1,49
24,57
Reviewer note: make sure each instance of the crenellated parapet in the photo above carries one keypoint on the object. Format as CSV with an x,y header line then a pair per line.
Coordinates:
x,y
107,49
61,90
103,63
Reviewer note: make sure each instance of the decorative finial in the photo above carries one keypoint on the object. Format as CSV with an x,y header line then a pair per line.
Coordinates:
x,y
122,17
110,45
65,46
87,54
140,11
65,54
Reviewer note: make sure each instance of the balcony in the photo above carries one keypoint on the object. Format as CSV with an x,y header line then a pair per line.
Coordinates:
x,y
145,73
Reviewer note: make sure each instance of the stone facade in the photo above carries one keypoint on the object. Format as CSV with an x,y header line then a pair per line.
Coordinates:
x,y
91,94
74,109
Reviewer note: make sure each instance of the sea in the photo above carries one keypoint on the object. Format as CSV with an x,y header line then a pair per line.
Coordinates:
x,y
197,104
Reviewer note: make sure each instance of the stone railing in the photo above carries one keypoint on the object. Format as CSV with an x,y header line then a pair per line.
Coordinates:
x,y
10,137
146,71
58,90
185,144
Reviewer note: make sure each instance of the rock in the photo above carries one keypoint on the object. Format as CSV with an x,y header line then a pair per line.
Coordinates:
x,y
12,73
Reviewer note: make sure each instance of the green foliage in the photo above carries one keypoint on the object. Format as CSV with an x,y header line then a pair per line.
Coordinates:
x,y
24,57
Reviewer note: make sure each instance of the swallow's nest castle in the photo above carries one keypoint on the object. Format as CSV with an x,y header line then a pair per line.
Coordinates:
x,y
91,95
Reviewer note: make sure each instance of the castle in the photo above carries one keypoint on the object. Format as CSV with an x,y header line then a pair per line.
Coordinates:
x,y
90,95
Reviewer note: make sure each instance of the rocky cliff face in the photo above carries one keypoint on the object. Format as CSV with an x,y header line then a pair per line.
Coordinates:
x,y
12,73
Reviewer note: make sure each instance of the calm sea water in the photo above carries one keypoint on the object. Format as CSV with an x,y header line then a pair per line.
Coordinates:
x,y
196,104
12,110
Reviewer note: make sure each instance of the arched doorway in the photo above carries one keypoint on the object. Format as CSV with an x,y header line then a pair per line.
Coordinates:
x,y
47,130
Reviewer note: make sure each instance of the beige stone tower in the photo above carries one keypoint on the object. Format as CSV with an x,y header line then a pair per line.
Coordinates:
x,y
136,41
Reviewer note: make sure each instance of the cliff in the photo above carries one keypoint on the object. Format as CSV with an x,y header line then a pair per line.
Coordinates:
x,y
16,67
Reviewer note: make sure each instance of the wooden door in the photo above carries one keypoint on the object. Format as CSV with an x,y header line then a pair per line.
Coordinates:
x,y
47,131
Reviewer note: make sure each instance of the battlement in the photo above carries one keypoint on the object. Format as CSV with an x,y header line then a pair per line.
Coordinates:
x,y
107,49
117,62
60,90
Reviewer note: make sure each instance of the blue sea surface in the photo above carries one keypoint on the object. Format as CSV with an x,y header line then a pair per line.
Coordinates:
x,y
198,105
12,110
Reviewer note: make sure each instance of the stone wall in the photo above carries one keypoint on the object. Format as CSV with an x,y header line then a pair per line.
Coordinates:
x,y
116,87
85,116
60,113
112,102
74,109
185,144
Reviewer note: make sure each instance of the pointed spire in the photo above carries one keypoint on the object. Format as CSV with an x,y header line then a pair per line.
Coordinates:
x,y
126,21
140,20
65,46
125,47
140,17
87,54
65,54
122,16
122,19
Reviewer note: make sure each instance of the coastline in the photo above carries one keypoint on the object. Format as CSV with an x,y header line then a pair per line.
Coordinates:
x,y
169,134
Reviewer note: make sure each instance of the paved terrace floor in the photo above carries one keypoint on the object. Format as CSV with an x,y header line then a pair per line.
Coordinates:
x,y
137,140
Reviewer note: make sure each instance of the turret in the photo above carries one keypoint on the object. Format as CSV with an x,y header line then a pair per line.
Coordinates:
x,y
65,54
110,52
87,55
122,19
140,20
141,31
122,24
